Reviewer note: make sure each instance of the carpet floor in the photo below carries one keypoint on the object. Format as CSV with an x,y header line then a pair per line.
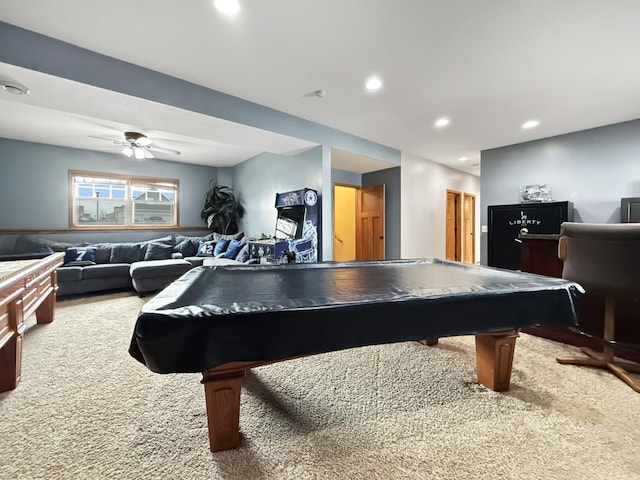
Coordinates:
x,y
86,410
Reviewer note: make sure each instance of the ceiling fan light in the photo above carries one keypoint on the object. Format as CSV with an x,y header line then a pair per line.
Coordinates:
x,y
138,153
143,141
127,152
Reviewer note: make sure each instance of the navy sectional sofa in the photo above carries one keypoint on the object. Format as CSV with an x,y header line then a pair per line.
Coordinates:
x,y
144,266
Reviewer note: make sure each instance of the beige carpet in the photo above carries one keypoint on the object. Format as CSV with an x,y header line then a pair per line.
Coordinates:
x,y
86,410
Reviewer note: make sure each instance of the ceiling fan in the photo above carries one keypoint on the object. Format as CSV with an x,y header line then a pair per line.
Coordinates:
x,y
137,145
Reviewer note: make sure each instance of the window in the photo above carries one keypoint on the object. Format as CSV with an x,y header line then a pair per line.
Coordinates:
x,y
119,201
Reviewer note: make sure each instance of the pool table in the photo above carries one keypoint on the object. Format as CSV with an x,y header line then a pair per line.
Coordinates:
x,y
27,286
222,321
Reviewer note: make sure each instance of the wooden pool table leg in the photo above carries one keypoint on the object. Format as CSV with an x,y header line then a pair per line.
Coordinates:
x,y
494,358
222,394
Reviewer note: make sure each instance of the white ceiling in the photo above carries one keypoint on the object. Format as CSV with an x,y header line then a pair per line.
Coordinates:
x,y
487,65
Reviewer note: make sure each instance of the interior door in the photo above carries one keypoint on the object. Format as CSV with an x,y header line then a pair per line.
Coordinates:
x,y
468,228
453,243
370,223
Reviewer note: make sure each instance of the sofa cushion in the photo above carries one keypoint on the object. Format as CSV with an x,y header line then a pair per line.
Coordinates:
x,y
105,270
233,249
221,246
197,261
69,274
158,251
218,261
125,253
159,268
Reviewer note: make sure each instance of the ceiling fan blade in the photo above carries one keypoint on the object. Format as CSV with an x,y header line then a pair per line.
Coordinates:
x,y
115,142
103,138
163,149
147,153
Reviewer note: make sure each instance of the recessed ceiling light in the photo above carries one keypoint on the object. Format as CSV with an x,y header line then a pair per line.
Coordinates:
x,y
14,87
463,159
373,83
530,124
442,122
228,7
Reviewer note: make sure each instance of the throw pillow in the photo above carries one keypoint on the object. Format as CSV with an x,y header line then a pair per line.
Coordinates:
x,y
168,240
221,246
74,255
231,236
233,249
158,251
103,252
187,248
125,253
206,238
243,254
26,244
205,249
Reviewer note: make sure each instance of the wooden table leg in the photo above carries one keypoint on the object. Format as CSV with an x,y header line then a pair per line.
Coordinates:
x,y
222,394
46,310
494,358
11,342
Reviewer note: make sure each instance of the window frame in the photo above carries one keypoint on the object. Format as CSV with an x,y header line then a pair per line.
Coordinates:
x,y
130,181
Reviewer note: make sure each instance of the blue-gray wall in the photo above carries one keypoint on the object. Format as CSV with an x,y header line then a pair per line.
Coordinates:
x,y
390,177
592,168
53,57
257,180
34,187
35,181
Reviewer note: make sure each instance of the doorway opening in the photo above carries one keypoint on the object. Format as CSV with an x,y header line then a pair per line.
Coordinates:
x,y
460,226
358,223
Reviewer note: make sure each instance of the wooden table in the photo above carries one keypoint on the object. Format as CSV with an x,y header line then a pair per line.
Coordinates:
x,y
26,286
222,321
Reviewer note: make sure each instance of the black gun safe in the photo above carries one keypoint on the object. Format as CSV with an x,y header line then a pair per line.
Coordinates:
x,y
507,222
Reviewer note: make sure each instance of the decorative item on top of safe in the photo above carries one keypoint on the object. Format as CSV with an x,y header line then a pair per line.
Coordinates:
x,y
535,193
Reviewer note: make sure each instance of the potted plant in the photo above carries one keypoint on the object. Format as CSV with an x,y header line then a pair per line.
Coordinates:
x,y
222,210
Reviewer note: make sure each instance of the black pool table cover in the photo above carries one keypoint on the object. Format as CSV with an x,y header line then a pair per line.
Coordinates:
x,y
214,315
